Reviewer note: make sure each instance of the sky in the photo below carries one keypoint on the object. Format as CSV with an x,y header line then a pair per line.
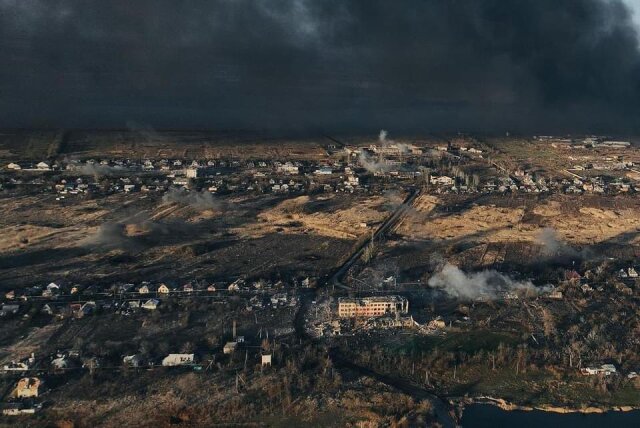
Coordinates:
x,y
634,5
322,66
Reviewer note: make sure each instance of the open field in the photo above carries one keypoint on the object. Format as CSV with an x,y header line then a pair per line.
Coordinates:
x,y
145,238
146,244
484,232
146,143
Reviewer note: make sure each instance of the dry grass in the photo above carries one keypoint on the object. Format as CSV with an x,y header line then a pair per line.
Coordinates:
x,y
290,216
575,221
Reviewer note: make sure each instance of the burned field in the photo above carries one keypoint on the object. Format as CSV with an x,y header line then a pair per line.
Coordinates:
x,y
526,234
236,279
137,239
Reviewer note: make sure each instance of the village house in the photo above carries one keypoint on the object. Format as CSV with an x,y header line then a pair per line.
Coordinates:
x,y
133,360
605,369
52,289
28,387
20,366
172,360
266,360
325,170
192,172
60,362
7,310
48,309
151,304
436,323
163,289
86,309
16,409
288,168
443,180
125,288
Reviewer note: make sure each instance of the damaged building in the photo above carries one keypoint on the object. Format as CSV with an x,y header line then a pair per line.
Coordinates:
x,y
372,306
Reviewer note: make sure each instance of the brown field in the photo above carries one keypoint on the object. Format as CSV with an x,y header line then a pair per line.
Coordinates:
x,y
510,233
300,215
141,144
131,238
574,219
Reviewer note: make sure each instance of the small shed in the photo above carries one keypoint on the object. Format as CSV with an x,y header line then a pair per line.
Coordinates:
x,y
230,347
266,360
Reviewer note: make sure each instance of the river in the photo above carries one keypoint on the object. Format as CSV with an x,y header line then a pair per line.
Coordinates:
x,y
488,416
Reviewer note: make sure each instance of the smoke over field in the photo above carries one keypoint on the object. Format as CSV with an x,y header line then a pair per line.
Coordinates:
x,y
488,283
98,171
199,200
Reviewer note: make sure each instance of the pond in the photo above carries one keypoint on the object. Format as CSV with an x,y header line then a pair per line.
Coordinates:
x,y
488,416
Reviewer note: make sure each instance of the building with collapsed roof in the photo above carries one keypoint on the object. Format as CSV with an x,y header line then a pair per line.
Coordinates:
x,y
372,306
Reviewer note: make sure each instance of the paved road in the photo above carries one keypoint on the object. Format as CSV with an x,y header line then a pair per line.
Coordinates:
x,y
443,411
388,224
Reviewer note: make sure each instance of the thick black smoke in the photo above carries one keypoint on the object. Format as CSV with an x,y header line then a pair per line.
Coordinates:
x,y
352,65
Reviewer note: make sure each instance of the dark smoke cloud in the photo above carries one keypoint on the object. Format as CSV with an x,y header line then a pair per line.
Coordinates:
x,y
351,65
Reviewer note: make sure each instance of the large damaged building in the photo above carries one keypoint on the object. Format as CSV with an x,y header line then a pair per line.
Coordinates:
x,y
372,306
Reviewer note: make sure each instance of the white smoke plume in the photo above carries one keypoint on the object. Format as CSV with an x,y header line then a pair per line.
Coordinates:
x,y
488,284
372,164
554,247
198,200
382,138
98,171
137,232
110,235
551,244
379,165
